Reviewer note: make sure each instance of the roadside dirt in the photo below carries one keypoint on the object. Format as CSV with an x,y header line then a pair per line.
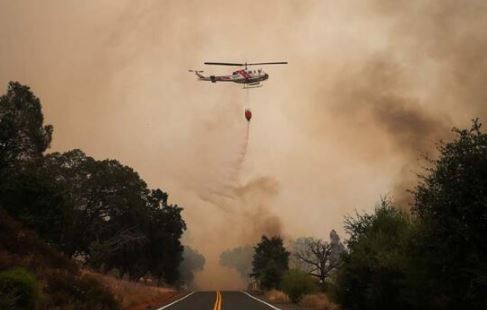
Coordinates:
x,y
157,302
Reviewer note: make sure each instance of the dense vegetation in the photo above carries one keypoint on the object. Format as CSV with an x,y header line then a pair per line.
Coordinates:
x,y
374,272
312,262
270,262
99,212
430,256
19,288
296,283
102,214
318,258
433,257
33,275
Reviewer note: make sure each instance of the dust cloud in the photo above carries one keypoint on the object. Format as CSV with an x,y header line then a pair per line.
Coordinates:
x,y
370,87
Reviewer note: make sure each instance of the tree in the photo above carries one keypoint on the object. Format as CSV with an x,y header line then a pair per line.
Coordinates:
x,y
27,193
23,136
70,172
118,222
378,271
337,249
317,257
33,198
436,258
166,227
451,205
239,258
270,262
192,261
101,211
108,202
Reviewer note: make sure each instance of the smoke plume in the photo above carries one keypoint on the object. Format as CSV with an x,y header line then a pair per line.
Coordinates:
x,y
371,86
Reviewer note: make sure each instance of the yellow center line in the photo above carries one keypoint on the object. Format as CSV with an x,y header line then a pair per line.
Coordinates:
x,y
218,301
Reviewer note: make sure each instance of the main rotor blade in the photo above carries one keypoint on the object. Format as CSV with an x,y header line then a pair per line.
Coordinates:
x,y
268,63
224,64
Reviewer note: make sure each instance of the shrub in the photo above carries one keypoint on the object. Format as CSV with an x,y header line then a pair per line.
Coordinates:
x,y
63,285
20,246
19,289
276,296
66,290
378,272
318,301
96,296
296,283
129,293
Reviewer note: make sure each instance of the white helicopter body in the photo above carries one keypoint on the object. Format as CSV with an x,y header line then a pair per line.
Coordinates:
x,y
250,78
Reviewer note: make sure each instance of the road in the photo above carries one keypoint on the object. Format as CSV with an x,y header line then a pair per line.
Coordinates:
x,y
225,300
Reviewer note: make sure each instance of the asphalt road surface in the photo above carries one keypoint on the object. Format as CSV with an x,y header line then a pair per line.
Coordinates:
x,y
231,300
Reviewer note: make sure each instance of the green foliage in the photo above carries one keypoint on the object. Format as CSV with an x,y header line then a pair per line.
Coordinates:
x,y
101,211
296,283
435,260
19,289
23,137
270,262
375,271
64,287
451,205
117,221
21,247
32,197
25,192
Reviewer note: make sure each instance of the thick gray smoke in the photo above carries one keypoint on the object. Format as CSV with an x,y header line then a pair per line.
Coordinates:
x,y
249,204
427,76
448,37
377,93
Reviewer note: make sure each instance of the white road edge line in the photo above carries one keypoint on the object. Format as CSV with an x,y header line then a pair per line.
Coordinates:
x,y
178,300
260,300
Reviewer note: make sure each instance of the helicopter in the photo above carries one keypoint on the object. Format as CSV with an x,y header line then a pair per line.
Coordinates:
x,y
250,78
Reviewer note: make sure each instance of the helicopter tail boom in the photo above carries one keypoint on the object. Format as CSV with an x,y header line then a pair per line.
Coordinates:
x,y
198,73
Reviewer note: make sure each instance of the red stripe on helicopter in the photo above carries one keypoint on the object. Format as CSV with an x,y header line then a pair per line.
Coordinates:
x,y
244,74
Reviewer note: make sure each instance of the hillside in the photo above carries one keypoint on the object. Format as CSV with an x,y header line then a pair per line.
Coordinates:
x,y
33,275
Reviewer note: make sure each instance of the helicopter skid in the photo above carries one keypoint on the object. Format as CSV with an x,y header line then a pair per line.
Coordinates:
x,y
249,86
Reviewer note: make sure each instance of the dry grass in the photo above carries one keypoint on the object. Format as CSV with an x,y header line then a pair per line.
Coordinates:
x,y
132,294
276,296
318,301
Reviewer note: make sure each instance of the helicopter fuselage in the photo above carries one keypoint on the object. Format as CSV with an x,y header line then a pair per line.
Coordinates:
x,y
240,76
250,78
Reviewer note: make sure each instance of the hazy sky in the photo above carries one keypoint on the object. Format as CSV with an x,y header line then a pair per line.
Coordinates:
x,y
370,86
